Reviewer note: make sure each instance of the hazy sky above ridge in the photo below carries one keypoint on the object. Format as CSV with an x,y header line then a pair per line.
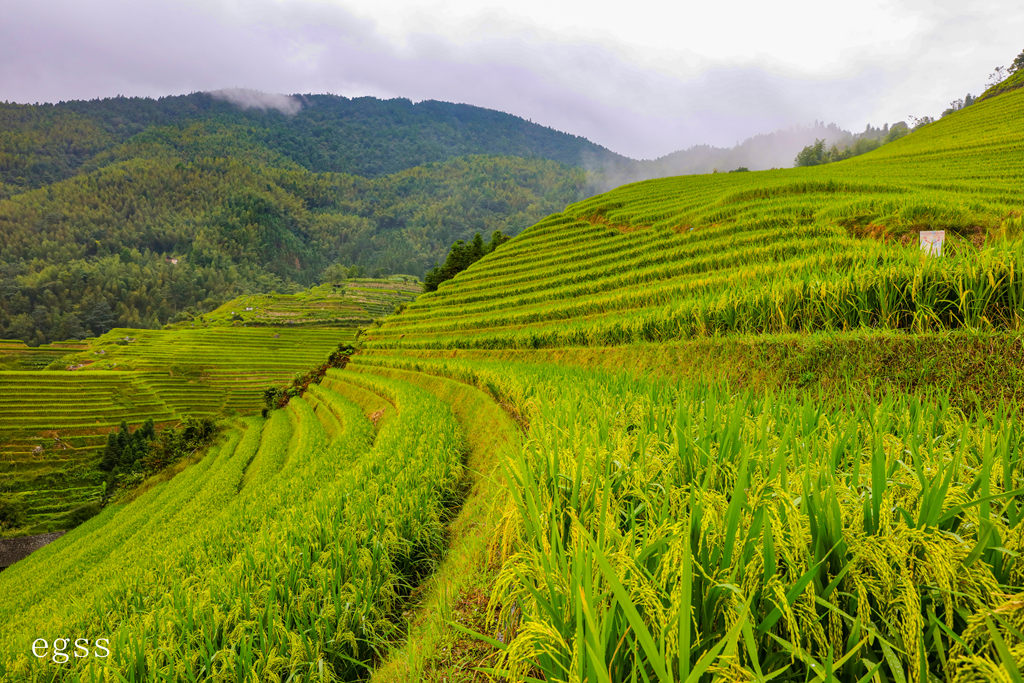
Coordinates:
x,y
642,78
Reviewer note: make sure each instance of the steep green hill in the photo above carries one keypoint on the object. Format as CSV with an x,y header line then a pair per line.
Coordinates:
x,y
138,242
768,436
829,248
98,198
1013,82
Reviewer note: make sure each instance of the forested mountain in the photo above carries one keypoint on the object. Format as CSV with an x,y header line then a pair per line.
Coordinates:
x,y
366,136
137,242
132,211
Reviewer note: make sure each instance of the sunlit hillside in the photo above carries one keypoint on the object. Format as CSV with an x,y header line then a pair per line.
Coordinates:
x,y
827,248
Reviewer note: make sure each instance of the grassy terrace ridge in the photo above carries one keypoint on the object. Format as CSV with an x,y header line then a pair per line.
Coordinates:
x,y
52,426
54,422
16,355
317,489
714,428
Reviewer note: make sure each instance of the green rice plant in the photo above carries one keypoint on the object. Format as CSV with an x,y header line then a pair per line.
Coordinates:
x,y
666,532
288,552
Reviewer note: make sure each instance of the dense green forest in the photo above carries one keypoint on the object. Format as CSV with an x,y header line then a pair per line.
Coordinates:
x,y
40,144
132,212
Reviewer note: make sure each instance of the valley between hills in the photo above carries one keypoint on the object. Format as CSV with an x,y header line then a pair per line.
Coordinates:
x,y
720,427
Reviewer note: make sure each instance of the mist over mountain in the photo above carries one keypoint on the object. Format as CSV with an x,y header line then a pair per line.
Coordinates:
x,y
758,153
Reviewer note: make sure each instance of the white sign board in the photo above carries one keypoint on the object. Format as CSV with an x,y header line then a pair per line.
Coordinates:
x,y
931,241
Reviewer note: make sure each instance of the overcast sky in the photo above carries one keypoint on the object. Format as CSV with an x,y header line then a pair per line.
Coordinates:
x,y
642,78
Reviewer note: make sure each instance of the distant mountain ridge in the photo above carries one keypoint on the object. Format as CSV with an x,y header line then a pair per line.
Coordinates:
x,y
757,153
44,143
365,136
131,211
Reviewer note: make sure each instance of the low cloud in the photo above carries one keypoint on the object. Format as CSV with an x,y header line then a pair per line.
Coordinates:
x,y
254,99
603,79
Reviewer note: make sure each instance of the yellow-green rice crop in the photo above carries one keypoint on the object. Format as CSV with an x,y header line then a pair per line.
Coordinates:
x,y
659,531
54,423
682,531
288,551
653,529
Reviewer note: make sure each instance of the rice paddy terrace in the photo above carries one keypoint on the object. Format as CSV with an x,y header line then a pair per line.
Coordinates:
x,y
562,451
353,303
210,371
54,422
810,249
16,355
675,517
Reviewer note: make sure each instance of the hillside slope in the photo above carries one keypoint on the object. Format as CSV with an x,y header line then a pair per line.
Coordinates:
x,y
59,404
768,436
825,248
137,242
98,197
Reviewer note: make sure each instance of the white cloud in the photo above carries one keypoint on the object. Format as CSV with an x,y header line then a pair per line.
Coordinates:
x,y
254,99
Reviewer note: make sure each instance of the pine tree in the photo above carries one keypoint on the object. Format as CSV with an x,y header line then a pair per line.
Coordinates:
x,y
1017,64
476,250
111,453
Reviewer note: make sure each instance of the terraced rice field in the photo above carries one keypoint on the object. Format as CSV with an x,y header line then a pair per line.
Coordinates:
x,y
291,548
15,355
354,303
662,524
52,463
510,482
777,251
53,423
665,528
316,490
210,371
